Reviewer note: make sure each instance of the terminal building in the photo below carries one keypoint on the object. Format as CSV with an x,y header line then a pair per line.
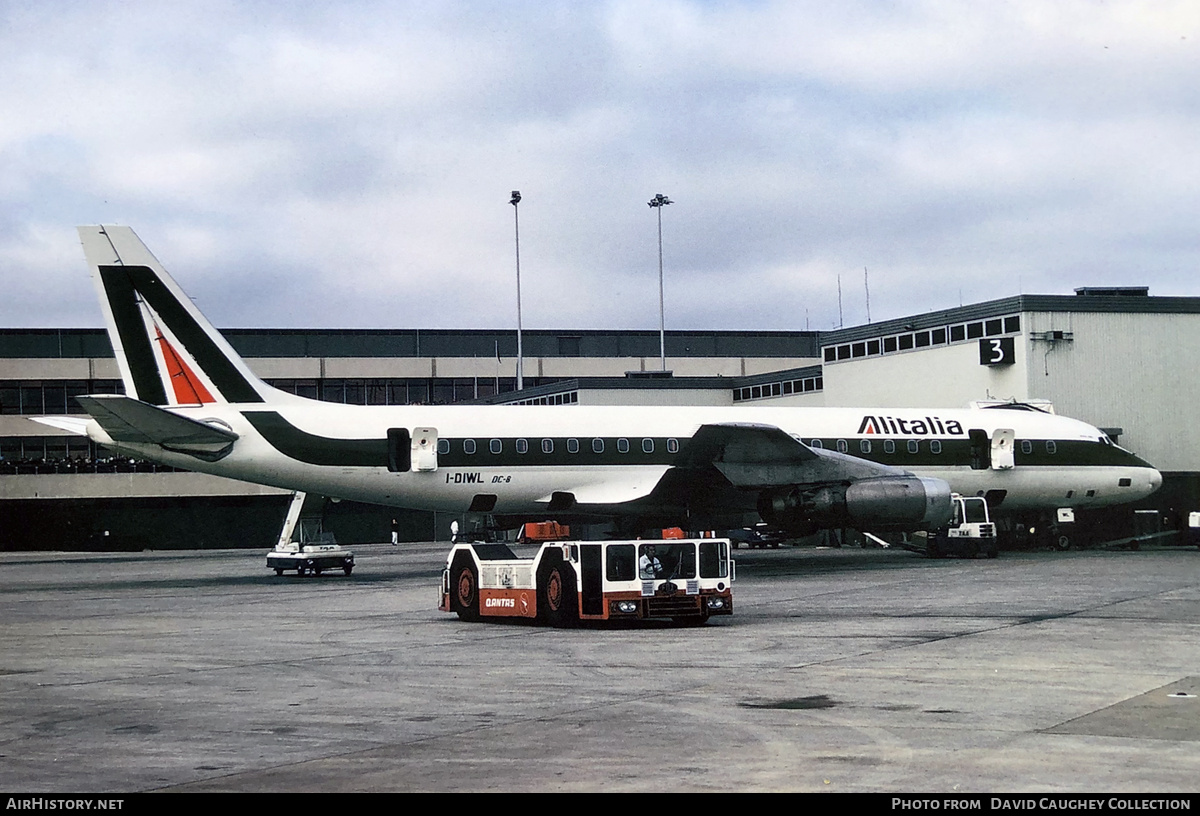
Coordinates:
x,y
1109,356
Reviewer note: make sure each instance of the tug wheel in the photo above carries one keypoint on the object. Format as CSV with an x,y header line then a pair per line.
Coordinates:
x,y
464,590
558,596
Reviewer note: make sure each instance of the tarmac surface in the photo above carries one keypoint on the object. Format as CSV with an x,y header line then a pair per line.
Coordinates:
x,y
840,670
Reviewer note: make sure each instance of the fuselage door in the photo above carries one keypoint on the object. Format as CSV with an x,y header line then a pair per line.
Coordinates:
x,y
424,449
981,449
1003,456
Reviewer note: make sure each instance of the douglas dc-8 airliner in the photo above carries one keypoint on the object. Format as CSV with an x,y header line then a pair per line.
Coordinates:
x,y
191,402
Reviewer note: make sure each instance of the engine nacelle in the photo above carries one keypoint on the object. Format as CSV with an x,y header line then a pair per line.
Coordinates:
x,y
886,503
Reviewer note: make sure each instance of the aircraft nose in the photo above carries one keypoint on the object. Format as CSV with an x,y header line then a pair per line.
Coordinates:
x,y
1154,482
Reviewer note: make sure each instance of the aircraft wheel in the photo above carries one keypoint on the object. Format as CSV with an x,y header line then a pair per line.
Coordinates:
x,y
317,571
464,589
932,550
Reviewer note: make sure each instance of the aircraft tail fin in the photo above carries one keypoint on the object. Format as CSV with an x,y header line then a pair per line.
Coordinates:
x,y
168,352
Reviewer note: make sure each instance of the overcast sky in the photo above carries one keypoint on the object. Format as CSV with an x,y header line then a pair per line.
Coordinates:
x,y
349,164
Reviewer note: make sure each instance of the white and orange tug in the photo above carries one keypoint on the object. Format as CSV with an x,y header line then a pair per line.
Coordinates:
x,y
686,580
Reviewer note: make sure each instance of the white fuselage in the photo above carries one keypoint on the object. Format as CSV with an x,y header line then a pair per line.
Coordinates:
x,y
521,456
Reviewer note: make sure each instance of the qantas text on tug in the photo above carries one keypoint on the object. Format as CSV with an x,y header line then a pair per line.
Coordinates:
x,y
192,402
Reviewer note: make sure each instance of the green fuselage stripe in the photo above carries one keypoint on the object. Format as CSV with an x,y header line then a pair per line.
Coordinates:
x,y
321,450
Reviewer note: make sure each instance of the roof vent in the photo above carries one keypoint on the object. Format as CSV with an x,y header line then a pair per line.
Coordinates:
x,y
1113,291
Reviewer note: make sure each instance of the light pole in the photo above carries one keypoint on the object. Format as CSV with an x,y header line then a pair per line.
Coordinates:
x,y
658,202
516,199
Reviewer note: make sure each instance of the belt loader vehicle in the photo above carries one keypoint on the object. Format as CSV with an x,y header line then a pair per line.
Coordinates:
x,y
686,580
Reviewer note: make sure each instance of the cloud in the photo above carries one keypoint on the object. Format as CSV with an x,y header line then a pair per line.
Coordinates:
x,y
319,165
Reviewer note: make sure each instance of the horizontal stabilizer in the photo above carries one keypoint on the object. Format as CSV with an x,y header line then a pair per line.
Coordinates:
x,y
73,424
128,420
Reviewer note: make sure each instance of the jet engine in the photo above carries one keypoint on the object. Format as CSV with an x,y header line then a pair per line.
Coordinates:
x,y
905,503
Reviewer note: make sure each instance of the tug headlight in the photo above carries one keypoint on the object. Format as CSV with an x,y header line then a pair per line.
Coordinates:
x,y
716,603
628,607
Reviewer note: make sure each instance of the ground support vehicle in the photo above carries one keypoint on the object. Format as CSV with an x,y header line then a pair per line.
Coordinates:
x,y
760,535
686,580
970,533
306,558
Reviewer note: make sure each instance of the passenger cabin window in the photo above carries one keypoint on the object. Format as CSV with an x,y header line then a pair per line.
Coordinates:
x,y
522,446
842,446
1051,446
597,445
864,445
672,446
1026,447
547,446
572,446
935,446
622,445
495,446
913,446
469,446
443,447
647,445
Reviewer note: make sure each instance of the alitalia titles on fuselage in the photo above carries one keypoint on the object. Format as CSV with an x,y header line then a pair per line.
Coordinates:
x,y
900,426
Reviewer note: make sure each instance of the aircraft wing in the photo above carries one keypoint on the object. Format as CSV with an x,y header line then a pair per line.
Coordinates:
x,y
756,456
126,419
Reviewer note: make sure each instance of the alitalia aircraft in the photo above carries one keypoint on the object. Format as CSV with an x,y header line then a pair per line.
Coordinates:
x,y
191,402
